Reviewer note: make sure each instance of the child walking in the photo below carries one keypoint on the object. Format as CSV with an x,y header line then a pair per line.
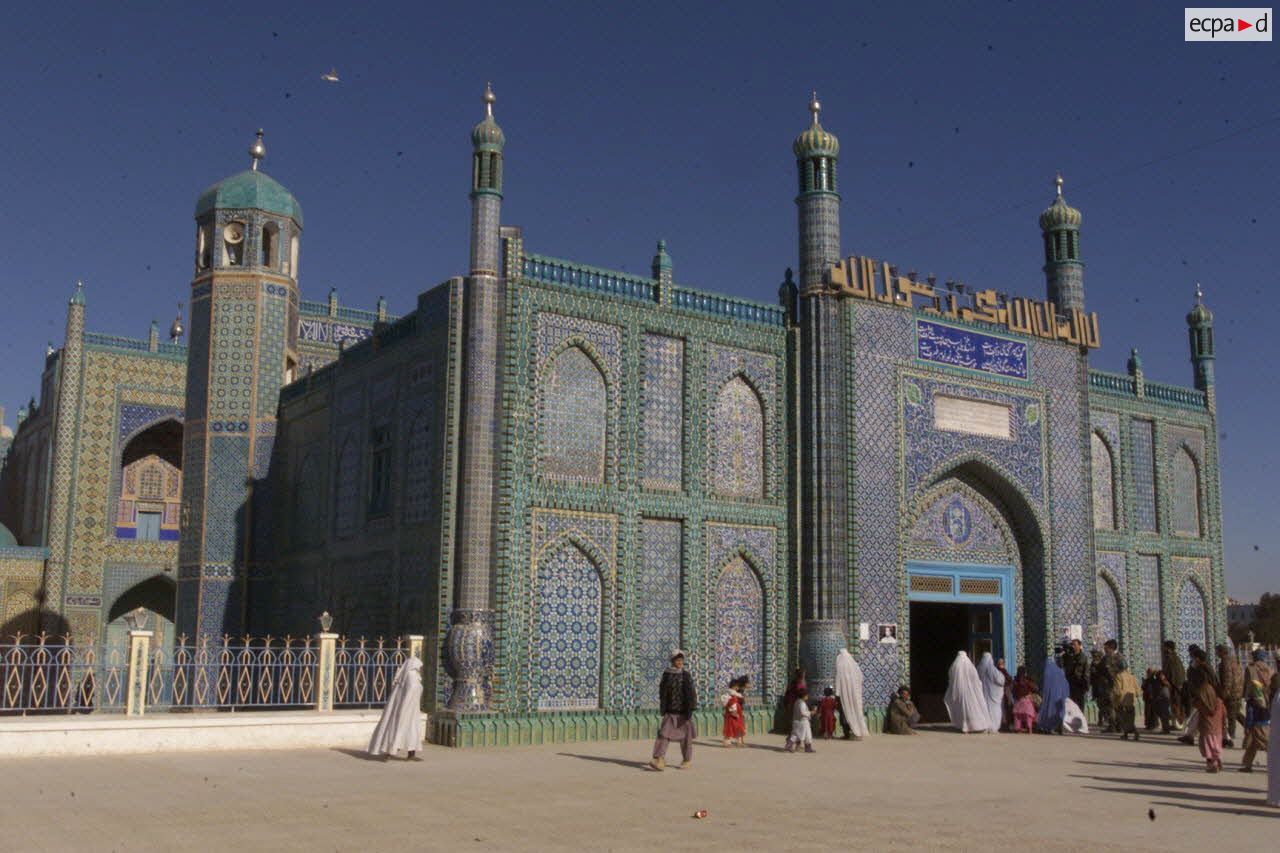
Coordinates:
x,y
801,732
735,724
827,710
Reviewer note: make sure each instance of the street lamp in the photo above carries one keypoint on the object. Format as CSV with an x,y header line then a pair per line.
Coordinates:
x,y
136,619
326,621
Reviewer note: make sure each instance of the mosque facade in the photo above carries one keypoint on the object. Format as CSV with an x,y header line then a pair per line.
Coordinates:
x,y
558,473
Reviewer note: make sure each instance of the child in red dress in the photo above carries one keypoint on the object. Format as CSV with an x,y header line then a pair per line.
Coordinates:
x,y
735,723
827,713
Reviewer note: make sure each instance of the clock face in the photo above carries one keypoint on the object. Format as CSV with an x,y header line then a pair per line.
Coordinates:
x,y
234,232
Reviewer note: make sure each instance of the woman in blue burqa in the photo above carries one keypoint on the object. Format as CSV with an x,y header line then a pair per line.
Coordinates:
x,y
1054,694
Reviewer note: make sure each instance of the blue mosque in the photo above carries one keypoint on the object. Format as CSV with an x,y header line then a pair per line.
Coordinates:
x,y
558,472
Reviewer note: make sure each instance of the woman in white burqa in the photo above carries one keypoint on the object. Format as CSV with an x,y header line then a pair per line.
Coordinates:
x,y
400,729
992,690
965,701
849,691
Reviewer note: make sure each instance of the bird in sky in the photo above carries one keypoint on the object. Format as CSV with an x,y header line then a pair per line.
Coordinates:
x,y
331,77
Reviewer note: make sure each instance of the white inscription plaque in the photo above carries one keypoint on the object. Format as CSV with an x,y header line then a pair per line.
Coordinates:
x,y
975,417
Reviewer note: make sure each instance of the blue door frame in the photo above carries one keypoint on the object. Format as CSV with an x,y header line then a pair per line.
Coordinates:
x,y
958,571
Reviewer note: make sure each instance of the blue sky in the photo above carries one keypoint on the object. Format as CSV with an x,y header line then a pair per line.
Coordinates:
x,y
665,120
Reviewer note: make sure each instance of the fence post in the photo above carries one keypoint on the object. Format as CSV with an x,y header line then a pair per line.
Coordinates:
x,y
139,655
416,642
324,683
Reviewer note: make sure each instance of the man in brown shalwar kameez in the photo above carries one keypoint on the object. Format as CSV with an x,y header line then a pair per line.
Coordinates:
x,y
678,701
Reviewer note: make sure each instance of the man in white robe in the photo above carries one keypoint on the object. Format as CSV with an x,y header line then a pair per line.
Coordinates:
x,y
966,704
992,690
400,728
849,691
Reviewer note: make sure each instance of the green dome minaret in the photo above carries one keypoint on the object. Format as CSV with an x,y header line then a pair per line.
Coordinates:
x,y
824,507
1200,335
1063,269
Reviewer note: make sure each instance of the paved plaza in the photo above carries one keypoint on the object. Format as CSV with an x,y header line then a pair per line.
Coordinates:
x,y
939,790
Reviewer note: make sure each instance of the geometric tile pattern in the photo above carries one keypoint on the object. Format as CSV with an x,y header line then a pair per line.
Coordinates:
x,y
1104,503
419,472
663,419
1148,574
737,434
657,586
1144,476
739,612
347,486
742,384
566,652
1186,493
1113,600
1191,616
572,418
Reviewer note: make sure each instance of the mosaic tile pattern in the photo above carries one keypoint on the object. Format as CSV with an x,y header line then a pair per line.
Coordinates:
x,y
227,492
1112,595
958,524
658,585
743,385
739,635
573,406
419,470
347,483
737,435
1192,625
1104,504
1148,574
231,378
567,645
1185,488
927,447
1144,475
662,452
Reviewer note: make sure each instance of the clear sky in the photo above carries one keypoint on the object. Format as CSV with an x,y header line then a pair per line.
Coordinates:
x,y
672,121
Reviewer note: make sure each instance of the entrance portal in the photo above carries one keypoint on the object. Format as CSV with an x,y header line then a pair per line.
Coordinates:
x,y
938,631
954,608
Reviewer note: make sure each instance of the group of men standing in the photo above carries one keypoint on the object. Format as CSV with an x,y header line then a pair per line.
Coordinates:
x,y
1096,674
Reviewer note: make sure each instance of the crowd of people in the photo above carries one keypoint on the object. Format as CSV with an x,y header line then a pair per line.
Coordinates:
x,y
1203,701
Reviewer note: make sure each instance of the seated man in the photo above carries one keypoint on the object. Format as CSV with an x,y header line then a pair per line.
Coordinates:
x,y
902,714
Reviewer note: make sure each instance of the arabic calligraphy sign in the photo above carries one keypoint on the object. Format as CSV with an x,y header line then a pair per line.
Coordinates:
x,y
862,278
324,332
973,350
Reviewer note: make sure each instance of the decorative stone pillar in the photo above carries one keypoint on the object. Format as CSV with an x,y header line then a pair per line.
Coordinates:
x,y
470,659
139,657
325,670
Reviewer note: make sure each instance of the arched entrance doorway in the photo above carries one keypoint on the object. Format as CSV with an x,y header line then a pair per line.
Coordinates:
x,y
973,578
157,596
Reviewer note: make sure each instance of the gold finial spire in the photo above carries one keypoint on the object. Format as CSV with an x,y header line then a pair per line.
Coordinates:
x,y
1057,182
815,107
1199,294
257,150
489,98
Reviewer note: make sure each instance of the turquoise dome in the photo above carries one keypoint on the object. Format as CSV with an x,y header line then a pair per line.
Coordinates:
x,y
7,539
251,189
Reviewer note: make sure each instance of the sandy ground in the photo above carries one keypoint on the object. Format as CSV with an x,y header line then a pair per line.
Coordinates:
x,y
938,790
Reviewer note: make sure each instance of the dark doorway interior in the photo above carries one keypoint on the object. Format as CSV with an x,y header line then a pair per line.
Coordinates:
x,y
938,631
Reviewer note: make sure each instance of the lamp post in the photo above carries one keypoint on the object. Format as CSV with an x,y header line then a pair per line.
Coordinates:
x,y
328,653
139,657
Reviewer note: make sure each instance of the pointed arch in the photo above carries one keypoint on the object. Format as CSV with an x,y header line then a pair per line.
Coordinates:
x,y
1185,473
568,602
1193,613
149,481
157,595
990,480
573,414
1111,621
739,623
737,459
1104,480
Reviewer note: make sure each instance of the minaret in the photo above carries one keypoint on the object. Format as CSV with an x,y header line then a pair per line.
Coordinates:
x,y
824,554
242,348
62,484
1063,269
470,641
1200,335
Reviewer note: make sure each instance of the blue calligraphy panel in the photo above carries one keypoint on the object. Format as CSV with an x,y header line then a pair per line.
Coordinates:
x,y
972,350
